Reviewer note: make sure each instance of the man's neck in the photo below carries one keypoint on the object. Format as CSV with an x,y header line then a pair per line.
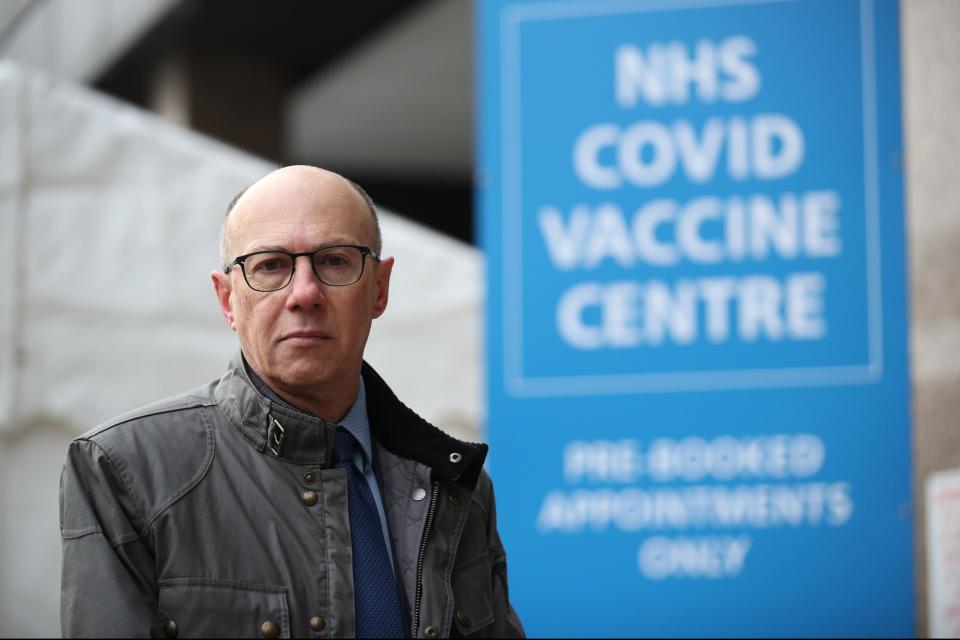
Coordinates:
x,y
331,406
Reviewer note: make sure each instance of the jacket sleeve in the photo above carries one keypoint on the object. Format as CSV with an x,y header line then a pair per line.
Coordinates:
x,y
108,582
506,622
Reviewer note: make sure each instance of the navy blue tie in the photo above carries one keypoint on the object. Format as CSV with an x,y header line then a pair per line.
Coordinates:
x,y
375,594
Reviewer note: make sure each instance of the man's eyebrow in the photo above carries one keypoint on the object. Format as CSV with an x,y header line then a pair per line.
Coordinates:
x,y
267,247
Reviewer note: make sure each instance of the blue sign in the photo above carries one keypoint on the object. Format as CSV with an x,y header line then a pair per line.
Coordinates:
x,y
696,329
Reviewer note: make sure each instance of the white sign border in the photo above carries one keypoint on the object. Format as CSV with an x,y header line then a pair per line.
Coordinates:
x,y
511,210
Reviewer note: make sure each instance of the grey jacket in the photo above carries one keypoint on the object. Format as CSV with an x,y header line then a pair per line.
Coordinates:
x,y
214,513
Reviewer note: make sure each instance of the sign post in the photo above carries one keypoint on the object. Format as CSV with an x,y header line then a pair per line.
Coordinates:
x,y
698,386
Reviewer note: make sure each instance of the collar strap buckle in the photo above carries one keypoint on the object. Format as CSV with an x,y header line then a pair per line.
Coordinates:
x,y
275,437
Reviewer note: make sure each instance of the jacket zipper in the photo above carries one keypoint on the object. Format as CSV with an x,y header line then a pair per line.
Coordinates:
x,y
423,548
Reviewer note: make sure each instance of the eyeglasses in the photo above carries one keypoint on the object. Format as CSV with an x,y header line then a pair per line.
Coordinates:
x,y
337,266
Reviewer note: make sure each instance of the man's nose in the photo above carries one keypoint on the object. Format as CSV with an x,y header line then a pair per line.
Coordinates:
x,y
306,290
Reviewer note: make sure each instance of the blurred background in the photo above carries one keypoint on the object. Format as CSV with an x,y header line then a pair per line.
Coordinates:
x,y
126,127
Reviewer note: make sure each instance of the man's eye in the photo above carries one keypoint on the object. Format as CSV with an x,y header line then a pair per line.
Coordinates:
x,y
270,265
334,261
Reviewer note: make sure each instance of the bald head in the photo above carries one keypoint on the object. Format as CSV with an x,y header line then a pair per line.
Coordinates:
x,y
297,178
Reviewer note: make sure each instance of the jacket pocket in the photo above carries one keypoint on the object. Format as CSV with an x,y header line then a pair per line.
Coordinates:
x,y
472,597
200,607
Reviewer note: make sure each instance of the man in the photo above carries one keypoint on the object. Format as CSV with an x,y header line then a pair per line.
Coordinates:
x,y
296,496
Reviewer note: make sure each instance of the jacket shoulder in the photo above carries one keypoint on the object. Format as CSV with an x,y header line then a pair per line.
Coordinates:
x,y
195,398
159,451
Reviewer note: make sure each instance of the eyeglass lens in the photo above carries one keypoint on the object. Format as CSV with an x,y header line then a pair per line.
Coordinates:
x,y
335,266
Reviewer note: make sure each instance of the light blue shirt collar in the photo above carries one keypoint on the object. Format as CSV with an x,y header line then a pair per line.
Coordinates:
x,y
357,423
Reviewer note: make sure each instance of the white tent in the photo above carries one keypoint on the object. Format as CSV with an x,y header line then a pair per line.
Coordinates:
x,y
108,231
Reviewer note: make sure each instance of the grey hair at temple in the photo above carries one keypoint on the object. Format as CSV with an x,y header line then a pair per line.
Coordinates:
x,y
224,244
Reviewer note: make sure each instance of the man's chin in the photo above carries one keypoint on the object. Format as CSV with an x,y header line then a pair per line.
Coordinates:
x,y
304,352
310,368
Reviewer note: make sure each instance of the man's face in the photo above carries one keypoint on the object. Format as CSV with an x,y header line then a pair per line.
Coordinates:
x,y
307,335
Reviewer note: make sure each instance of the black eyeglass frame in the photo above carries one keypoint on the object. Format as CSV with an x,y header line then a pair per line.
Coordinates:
x,y
364,252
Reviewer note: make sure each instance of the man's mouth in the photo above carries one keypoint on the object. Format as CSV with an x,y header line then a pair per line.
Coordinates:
x,y
305,336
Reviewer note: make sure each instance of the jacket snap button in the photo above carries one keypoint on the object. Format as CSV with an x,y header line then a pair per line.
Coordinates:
x,y
310,498
419,494
464,619
269,629
317,623
310,477
455,499
170,629
431,632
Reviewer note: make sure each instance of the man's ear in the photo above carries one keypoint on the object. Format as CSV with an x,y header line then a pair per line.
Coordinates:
x,y
224,288
384,268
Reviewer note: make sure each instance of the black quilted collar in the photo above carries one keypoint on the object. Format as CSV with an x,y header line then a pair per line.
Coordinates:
x,y
403,432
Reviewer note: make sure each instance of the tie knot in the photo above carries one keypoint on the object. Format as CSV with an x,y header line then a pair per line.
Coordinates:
x,y
343,448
